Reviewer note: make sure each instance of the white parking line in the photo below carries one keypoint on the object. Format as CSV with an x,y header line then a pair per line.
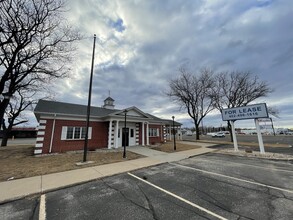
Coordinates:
x,y
266,168
233,178
178,197
42,211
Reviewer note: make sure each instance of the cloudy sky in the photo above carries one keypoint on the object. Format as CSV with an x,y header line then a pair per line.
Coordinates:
x,y
142,43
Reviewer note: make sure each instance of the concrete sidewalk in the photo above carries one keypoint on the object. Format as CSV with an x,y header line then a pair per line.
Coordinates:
x,y
20,188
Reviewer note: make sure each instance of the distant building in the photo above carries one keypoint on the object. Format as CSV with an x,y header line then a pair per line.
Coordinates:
x,y
62,127
21,132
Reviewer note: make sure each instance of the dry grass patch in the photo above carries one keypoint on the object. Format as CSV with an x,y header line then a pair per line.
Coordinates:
x,y
19,162
168,147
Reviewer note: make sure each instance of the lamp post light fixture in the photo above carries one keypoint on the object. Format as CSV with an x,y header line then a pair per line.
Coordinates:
x,y
173,117
89,105
124,144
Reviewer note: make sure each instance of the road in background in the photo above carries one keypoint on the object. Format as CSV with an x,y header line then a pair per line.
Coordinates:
x,y
267,139
21,141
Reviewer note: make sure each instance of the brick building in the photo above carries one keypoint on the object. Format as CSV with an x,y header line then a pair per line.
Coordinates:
x,y
62,127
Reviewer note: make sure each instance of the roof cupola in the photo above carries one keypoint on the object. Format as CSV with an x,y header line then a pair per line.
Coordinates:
x,y
109,103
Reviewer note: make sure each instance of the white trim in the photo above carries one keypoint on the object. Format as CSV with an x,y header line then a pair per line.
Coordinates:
x,y
63,133
42,127
137,133
110,135
40,138
43,122
143,133
38,145
89,134
147,134
38,151
41,133
49,115
116,134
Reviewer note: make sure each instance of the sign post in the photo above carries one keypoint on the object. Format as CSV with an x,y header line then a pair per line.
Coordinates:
x,y
234,136
246,112
259,137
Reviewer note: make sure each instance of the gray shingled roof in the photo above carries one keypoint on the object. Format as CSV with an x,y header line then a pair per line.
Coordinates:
x,y
53,107
165,121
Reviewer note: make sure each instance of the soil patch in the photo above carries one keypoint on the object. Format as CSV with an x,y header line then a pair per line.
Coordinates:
x,y
168,147
18,161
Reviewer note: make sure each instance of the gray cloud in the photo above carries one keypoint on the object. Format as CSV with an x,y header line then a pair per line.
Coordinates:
x,y
141,45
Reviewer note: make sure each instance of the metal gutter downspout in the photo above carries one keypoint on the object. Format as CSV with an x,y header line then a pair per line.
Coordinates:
x,y
52,134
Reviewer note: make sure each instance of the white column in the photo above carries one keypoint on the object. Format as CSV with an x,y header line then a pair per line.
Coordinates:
x,y
116,134
234,136
110,135
147,134
260,141
142,138
165,134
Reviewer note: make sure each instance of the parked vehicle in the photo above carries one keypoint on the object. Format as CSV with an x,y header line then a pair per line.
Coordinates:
x,y
218,134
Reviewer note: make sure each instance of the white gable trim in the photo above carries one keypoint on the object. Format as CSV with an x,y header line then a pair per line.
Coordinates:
x,y
132,112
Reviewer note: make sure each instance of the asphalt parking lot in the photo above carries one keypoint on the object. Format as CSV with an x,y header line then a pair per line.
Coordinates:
x,y
210,186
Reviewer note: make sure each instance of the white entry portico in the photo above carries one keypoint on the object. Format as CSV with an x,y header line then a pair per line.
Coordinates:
x,y
134,132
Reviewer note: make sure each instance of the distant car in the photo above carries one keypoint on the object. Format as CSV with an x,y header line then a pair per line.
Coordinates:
x,y
219,134
189,133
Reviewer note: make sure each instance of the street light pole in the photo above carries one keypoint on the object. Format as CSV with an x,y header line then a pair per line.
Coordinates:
x,y
174,133
89,104
124,144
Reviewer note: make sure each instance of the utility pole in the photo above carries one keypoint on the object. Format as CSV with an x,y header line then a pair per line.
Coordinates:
x,y
89,104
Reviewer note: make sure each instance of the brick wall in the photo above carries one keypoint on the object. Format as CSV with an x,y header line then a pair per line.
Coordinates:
x,y
99,137
154,140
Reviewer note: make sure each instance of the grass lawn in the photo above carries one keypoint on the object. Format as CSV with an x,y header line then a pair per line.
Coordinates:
x,y
18,161
168,147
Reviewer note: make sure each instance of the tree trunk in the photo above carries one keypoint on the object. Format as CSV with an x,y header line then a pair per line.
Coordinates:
x,y
3,106
197,131
4,138
6,132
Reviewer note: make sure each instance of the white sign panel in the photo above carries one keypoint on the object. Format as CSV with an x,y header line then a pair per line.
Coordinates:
x,y
245,112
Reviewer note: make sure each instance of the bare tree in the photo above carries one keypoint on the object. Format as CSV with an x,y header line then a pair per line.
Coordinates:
x,y
274,111
235,89
36,45
193,93
21,101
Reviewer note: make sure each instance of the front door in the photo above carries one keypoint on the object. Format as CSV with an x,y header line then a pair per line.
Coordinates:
x,y
125,137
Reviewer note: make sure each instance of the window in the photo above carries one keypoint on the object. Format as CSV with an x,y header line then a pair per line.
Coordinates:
x,y
69,133
154,132
75,133
83,131
131,132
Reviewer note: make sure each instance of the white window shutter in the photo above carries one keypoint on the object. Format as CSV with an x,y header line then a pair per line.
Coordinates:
x,y
90,133
64,133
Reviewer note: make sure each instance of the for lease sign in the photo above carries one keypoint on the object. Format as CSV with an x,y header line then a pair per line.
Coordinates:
x,y
245,112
